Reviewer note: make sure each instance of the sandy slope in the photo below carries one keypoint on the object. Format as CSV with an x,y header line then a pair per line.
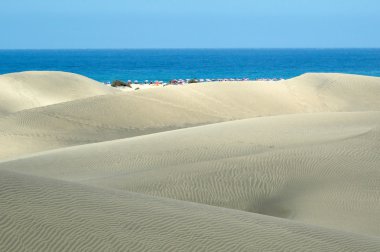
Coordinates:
x,y
62,216
300,172
27,90
320,169
148,111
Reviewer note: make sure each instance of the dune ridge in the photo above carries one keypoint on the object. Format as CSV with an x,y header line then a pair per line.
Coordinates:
x,y
248,169
115,116
32,89
258,166
67,216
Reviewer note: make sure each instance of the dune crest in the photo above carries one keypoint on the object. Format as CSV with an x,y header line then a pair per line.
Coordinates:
x,y
296,173
122,115
28,90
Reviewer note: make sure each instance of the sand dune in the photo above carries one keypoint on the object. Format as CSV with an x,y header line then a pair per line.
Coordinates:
x,y
336,92
35,89
313,169
131,114
61,216
263,166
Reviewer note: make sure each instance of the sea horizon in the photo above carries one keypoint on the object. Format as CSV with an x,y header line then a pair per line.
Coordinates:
x,y
165,64
191,48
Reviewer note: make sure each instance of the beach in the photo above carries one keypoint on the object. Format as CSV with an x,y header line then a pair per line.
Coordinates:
x,y
288,165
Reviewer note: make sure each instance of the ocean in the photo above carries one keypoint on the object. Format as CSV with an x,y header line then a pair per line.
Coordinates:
x,y
167,64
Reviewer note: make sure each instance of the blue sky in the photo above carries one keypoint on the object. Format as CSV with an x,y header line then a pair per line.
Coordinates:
x,y
49,24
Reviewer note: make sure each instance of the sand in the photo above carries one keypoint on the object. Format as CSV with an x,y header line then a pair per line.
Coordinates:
x,y
265,166
130,114
47,215
28,90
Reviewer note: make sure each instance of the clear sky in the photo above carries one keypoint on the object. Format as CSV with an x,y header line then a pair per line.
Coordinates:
x,y
47,24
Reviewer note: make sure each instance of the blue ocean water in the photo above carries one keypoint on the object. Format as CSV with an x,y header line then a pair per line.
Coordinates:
x,y
108,65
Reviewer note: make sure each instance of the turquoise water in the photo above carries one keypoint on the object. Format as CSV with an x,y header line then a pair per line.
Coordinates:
x,y
108,65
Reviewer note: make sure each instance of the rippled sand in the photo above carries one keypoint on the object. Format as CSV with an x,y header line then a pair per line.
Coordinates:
x,y
264,166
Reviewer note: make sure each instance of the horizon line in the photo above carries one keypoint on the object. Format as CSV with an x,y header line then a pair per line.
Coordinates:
x,y
193,48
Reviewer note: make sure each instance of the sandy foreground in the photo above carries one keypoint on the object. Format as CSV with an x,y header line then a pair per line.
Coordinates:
x,y
292,165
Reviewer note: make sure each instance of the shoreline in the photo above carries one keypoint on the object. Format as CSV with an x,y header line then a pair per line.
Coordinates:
x,y
191,81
